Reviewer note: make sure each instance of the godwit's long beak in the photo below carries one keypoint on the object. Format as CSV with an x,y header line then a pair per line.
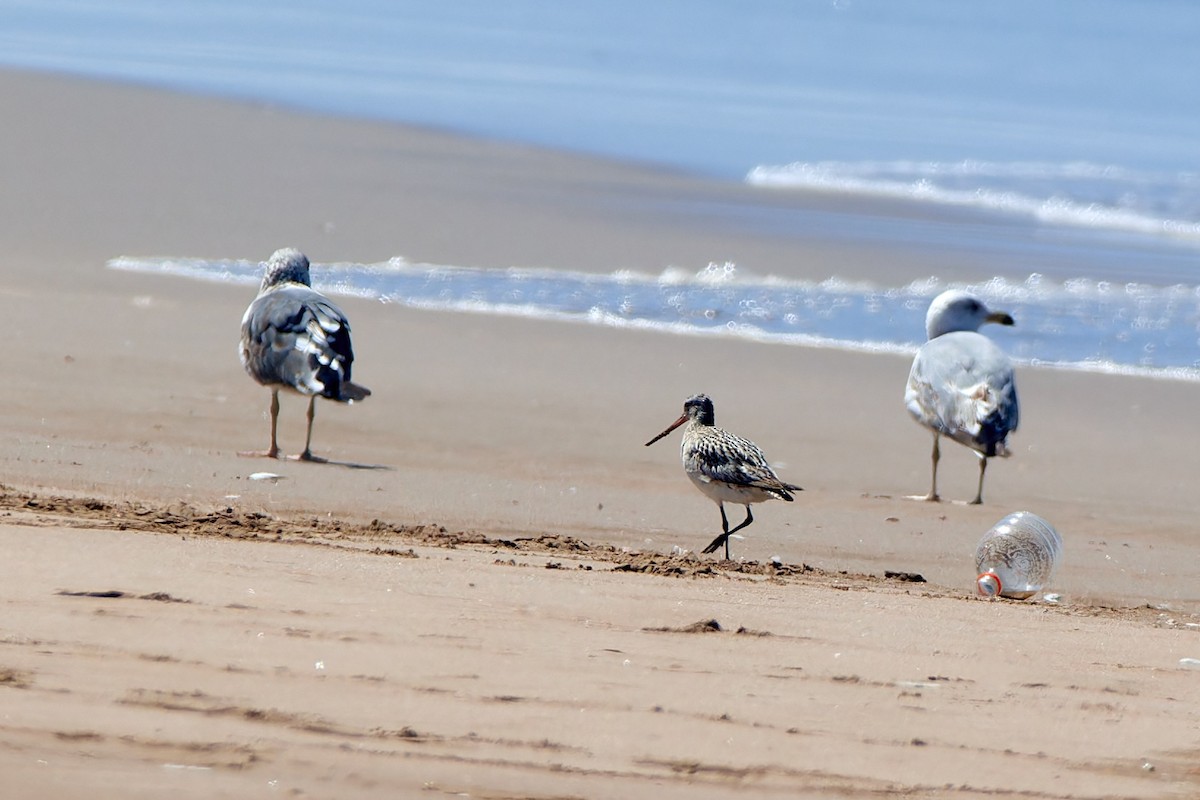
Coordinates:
x,y
1000,317
682,419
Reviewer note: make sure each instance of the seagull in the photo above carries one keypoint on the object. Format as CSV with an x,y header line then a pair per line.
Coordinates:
x,y
724,467
961,384
294,338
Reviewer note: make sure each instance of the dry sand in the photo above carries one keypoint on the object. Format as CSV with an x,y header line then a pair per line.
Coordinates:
x,y
495,611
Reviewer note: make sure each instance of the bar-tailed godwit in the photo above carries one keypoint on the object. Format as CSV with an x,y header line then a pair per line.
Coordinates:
x,y
294,338
961,384
725,467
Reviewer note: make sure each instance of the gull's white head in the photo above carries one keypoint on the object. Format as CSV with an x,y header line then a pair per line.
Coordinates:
x,y
956,310
287,265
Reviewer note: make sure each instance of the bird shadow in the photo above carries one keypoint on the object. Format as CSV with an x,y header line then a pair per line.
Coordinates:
x,y
319,460
329,462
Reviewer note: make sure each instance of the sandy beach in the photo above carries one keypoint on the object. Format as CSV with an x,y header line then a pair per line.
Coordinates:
x,y
494,591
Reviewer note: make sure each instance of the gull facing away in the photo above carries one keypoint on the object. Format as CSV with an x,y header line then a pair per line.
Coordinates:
x,y
961,384
293,338
725,467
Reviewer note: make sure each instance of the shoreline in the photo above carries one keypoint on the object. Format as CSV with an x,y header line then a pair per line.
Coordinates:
x,y
440,610
547,460
858,402
702,307
622,207
545,409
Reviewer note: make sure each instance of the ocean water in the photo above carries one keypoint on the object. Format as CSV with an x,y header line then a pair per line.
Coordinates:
x,y
1070,122
1076,324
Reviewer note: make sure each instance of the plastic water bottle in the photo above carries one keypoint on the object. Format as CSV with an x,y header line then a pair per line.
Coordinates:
x,y
1017,557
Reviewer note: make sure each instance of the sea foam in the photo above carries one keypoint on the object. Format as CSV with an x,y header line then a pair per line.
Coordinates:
x,y
1078,194
1078,324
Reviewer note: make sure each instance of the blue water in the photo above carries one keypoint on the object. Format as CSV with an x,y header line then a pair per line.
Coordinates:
x,y
707,85
1073,122
1077,324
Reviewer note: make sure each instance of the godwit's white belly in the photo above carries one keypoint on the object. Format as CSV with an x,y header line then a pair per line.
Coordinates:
x,y
722,492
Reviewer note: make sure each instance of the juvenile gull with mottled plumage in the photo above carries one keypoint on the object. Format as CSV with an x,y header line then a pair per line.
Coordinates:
x,y
725,467
961,384
294,338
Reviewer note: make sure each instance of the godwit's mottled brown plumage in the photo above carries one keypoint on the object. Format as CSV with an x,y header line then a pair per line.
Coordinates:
x,y
961,384
294,338
725,467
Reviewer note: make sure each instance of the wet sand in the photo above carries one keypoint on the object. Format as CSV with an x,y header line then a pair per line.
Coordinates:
x,y
486,595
